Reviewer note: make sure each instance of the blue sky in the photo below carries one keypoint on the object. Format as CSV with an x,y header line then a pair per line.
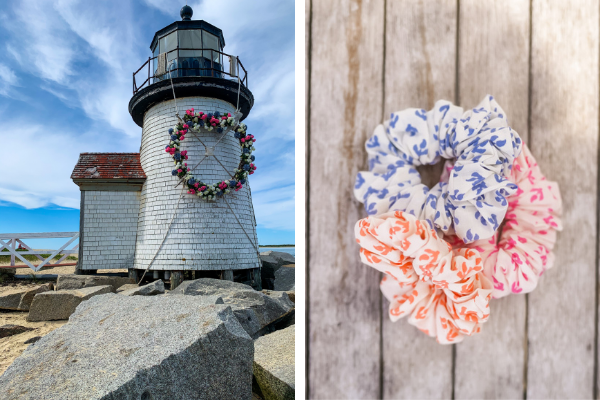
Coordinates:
x,y
65,82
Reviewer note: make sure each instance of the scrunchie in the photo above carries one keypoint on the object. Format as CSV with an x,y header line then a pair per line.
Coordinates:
x,y
529,234
443,290
473,201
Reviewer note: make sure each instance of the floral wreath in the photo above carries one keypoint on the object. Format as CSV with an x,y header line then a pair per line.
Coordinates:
x,y
208,122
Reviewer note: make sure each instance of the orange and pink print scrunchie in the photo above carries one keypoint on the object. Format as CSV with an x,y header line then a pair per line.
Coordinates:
x,y
443,285
443,291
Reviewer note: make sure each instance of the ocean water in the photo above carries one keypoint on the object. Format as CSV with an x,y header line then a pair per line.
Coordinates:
x,y
291,250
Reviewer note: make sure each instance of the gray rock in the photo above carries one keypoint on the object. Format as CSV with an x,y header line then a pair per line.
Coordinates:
x,y
271,262
61,304
151,289
19,299
118,347
283,257
274,364
72,281
285,278
10,330
267,273
256,311
127,287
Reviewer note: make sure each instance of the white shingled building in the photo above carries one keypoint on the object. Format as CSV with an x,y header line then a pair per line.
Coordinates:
x,y
134,214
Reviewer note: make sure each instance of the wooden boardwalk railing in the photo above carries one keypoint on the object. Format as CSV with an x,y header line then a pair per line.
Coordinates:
x,y
9,241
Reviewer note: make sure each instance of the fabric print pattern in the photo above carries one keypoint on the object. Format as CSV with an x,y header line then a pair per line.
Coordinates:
x,y
442,291
472,200
524,251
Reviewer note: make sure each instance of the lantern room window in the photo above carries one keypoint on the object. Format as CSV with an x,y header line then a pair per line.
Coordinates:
x,y
188,48
188,52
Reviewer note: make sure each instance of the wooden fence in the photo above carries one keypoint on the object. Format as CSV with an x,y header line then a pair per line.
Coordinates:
x,y
366,59
9,241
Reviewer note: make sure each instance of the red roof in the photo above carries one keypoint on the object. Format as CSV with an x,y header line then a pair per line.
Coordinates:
x,y
108,166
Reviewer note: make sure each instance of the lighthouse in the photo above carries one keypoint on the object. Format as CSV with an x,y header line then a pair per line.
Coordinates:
x,y
178,229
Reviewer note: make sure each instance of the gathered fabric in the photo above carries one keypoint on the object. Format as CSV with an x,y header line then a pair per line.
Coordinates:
x,y
471,203
524,252
443,291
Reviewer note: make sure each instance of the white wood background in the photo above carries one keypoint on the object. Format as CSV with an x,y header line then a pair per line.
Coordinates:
x,y
368,58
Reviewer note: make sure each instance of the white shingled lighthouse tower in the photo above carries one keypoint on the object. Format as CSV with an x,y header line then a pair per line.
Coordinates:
x,y
178,231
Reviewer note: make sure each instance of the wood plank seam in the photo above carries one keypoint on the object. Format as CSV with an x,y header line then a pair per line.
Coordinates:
x,y
307,201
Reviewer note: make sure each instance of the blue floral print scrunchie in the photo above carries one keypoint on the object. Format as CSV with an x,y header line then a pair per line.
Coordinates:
x,y
480,144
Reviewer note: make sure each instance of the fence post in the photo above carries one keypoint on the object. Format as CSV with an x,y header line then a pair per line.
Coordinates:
x,y
12,257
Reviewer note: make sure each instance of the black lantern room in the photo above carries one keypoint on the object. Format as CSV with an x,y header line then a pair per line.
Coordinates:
x,y
188,55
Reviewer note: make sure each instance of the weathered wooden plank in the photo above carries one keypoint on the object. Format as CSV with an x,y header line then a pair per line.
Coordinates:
x,y
564,136
345,105
494,58
419,69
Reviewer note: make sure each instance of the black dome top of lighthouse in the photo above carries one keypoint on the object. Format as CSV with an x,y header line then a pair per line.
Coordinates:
x,y
186,13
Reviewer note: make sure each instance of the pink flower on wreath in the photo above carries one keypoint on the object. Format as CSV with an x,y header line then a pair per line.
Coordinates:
x,y
242,140
180,170
229,114
185,126
203,188
168,150
196,185
192,191
203,117
182,138
251,172
184,153
223,117
214,124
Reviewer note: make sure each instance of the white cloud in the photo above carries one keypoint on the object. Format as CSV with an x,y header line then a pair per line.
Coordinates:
x,y
37,174
274,209
7,79
63,34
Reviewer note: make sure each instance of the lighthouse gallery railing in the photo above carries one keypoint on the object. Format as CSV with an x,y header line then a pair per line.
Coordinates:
x,y
209,67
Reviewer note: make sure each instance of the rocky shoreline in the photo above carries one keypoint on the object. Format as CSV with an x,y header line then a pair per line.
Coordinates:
x,y
208,338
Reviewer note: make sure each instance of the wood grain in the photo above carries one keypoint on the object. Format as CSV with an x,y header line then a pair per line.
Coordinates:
x,y
564,136
346,104
494,59
419,69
